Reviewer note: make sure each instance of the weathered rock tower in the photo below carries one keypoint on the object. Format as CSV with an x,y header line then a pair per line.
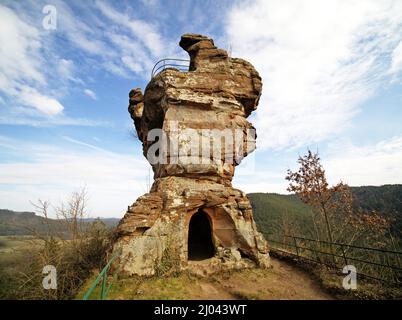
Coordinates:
x,y
192,213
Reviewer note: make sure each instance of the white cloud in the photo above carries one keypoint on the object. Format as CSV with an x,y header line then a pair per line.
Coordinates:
x,y
88,145
122,43
19,51
47,172
260,179
146,32
319,60
34,75
90,94
46,105
66,71
357,165
117,69
139,43
133,55
59,120
21,64
264,187
375,164
132,64
396,63
82,30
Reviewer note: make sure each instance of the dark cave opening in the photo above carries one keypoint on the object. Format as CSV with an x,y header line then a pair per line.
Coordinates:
x,y
200,245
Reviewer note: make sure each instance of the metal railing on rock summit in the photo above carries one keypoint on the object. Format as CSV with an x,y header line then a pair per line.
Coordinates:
x,y
180,64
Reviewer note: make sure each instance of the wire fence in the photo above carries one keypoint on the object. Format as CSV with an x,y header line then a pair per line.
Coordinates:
x,y
371,263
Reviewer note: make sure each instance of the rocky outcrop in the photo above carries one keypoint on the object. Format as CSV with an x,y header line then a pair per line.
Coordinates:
x,y
194,132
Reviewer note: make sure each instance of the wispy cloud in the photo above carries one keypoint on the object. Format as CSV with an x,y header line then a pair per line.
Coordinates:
x,y
373,164
144,31
369,164
396,62
319,60
35,121
67,71
123,43
140,43
87,145
33,76
90,94
36,74
83,30
52,172
20,58
21,63
31,97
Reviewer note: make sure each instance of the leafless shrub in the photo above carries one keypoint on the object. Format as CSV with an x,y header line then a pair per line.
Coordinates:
x,y
75,249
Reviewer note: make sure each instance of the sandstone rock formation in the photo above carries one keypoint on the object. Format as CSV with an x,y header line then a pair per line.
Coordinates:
x,y
192,212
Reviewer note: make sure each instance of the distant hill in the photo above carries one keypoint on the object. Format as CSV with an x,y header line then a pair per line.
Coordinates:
x,y
386,199
270,207
268,210
20,223
109,222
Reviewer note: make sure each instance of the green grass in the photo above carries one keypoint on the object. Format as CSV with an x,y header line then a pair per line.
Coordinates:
x,y
137,288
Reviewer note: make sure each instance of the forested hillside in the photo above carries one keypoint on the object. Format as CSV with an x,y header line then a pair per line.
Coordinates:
x,y
272,211
386,199
24,223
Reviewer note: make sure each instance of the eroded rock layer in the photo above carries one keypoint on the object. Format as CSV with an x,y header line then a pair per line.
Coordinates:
x,y
193,109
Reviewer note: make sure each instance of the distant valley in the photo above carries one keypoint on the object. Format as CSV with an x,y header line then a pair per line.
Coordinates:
x,y
269,209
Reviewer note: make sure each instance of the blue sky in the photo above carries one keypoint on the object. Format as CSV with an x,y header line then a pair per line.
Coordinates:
x,y
331,72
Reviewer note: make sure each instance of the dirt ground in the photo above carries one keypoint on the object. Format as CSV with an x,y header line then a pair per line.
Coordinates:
x,y
282,281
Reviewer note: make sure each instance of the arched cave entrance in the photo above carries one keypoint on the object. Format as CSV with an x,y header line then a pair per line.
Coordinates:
x,y
200,244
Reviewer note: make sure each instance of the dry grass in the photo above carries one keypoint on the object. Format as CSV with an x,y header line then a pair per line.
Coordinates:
x,y
283,281
22,259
